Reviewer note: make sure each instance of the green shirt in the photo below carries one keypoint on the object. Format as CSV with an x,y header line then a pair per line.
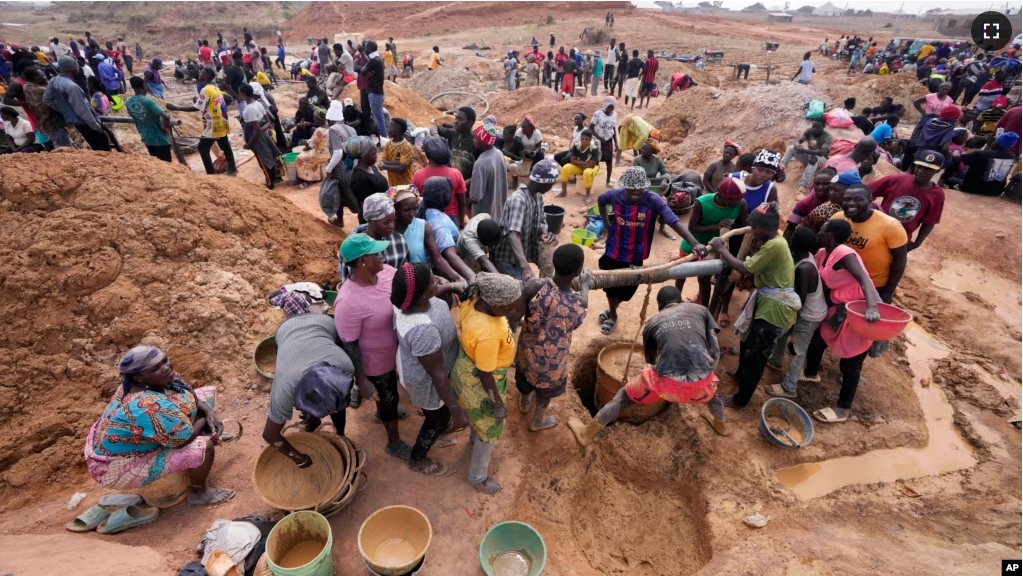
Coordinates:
x,y
710,213
652,167
772,267
147,113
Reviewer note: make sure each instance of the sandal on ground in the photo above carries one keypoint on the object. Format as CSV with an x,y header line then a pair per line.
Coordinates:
x,y
402,451
604,315
444,443
89,519
126,518
773,366
402,414
608,326
548,422
229,437
724,319
828,416
434,469
210,496
815,378
777,391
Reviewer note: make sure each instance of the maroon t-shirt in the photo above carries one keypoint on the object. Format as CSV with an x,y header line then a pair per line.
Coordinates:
x,y
904,201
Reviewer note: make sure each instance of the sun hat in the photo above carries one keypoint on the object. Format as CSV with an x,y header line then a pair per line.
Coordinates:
x,y
634,178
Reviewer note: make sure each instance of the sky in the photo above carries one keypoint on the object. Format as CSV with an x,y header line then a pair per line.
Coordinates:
x,y
911,6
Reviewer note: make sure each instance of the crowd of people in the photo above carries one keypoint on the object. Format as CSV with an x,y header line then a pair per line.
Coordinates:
x,y
439,231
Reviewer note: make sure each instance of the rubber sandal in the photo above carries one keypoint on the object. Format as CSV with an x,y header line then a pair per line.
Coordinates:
x,y
724,319
777,391
435,469
403,451
89,520
228,437
127,518
828,416
608,326
220,495
604,315
815,378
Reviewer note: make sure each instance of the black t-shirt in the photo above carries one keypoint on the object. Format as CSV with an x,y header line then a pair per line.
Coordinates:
x,y
682,335
922,71
986,172
516,146
364,184
569,66
463,150
374,69
862,123
634,68
234,77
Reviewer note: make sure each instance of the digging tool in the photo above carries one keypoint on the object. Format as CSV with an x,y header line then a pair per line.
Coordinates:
x,y
178,153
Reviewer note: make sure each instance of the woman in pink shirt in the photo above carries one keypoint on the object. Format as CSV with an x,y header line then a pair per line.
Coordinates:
x,y
364,317
930,106
845,280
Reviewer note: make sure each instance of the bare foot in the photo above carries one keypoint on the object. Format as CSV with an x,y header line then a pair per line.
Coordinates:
x,y
488,486
209,496
719,426
525,401
548,422
579,431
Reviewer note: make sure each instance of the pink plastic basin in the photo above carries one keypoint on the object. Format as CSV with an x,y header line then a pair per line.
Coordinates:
x,y
893,320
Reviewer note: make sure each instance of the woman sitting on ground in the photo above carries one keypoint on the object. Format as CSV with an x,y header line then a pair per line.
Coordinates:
x,y
480,374
304,126
427,350
156,425
314,157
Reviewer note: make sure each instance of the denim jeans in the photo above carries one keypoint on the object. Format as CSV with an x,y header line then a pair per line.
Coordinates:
x,y
376,104
800,335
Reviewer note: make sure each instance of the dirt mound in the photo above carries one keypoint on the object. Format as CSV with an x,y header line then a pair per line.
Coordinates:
x,y
94,264
128,136
868,91
401,102
408,19
552,115
448,79
695,123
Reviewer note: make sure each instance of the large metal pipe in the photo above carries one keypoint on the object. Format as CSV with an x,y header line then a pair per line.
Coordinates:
x,y
643,276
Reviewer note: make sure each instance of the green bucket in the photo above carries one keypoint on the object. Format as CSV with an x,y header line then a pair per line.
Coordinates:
x,y
329,296
509,547
264,348
289,158
300,533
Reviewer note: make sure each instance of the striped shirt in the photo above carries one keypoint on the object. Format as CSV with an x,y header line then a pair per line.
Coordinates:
x,y
632,225
650,70
302,342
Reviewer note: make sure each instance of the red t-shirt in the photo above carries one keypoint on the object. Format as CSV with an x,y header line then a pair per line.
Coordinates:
x,y
559,59
803,208
453,176
206,55
650,70
912,206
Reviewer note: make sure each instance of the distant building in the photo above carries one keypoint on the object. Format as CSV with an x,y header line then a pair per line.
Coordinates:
x,y
828,10
955,24
779,17
758,7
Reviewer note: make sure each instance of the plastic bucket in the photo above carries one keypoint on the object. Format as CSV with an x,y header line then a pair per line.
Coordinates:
x,y
289,158
555,218
393,540
294,539
513,547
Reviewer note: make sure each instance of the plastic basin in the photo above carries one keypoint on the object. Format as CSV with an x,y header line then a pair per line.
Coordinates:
x,y
583,237
261,354
393,540
508,546
290,157
784,423
301,545
893,320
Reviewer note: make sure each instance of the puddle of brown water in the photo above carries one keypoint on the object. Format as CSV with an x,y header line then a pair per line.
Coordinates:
x,y
962,277
945,450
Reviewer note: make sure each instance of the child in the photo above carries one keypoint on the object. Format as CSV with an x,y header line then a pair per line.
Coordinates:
x,y
553,311
811,293
99,102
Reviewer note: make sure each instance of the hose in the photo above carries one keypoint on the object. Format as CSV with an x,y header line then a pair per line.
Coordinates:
x,y
486,103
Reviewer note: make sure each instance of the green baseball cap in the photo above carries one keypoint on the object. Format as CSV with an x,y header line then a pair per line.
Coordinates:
x,y
358,245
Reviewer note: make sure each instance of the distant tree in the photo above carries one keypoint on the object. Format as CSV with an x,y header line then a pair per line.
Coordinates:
x,y
888,25
850,12
933,11
806,10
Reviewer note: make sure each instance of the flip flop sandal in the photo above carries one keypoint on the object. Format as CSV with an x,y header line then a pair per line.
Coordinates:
x,y
126,518
604,315
435,469
89,519
444,443
220,496
228,437
724,319
777,391
403,451
608,326
828,416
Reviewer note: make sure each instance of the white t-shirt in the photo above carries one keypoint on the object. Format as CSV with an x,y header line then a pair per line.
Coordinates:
x,y
611,58
18,133
529,144
254,112
806,69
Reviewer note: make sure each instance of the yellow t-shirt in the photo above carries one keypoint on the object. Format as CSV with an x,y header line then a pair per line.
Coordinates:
x,y
404,153
434,61
486,340
388,59
214,112
874,241
41,57
925,51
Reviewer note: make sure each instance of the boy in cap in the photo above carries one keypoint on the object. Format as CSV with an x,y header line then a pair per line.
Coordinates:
x,y
914,199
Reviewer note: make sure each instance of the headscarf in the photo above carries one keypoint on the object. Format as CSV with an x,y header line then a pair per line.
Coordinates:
x,y
653,145
490,119
529,119
437,192
765,216
377,206
487,133
738,150
495,289
409,284
768,159
437,150
950,113
545,171
320,113
257,91
138,359
358,146
1007,140
848,178
608,101
729,189
634,178
402,192
323,390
